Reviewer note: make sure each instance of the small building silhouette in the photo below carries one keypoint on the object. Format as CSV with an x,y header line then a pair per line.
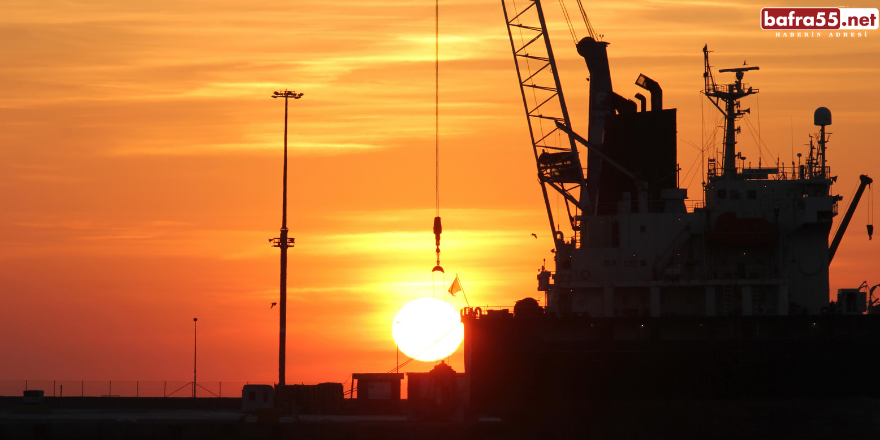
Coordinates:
x,y
438,394
257,397
377,392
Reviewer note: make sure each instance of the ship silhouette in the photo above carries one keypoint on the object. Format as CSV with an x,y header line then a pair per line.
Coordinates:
x,y
653,295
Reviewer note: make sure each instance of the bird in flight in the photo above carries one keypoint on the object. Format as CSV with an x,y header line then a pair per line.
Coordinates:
x,y
273,305
534,235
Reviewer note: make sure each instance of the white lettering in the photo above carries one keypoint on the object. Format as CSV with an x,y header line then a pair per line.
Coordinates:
x,y
768,20
809,21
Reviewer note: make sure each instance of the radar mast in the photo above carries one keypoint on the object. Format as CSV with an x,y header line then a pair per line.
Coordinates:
x,y
730,94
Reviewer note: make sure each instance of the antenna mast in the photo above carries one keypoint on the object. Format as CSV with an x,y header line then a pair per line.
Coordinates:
x,y
730,94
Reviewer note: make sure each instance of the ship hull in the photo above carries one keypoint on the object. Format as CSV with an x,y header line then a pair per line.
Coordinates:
x,y
520,363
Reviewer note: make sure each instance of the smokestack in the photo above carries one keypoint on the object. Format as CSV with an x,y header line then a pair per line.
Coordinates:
x,y
656,92
643,100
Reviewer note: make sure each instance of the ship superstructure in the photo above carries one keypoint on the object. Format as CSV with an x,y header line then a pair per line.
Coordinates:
x,y
757,245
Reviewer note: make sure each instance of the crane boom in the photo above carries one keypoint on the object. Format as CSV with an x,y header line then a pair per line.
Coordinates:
x,y
559,166
848,216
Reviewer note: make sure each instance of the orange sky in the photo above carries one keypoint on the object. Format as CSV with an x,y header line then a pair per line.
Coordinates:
x,y
140,167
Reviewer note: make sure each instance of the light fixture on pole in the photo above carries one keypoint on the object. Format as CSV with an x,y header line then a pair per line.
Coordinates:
x,y
283,242
195,346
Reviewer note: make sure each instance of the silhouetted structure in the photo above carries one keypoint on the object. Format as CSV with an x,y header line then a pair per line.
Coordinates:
x,y
257,397
654,295
438,394
323,398
377,392
283,242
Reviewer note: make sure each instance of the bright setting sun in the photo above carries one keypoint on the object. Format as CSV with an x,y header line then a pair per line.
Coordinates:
x,y
427,329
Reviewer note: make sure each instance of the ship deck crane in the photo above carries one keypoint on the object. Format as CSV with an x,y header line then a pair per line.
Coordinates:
x,y
640,184
559,166
865,181
871,301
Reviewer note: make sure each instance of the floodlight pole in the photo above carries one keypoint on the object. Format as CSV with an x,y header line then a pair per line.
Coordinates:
x,y
283,242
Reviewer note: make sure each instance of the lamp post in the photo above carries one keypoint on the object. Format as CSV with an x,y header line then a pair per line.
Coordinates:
x,y
195,346
283,242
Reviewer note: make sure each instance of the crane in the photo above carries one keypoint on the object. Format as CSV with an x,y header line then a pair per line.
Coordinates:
x,y
865,181
558,161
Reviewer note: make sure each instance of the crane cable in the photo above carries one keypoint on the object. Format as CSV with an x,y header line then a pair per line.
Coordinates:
x,y
587,21
438,227
437,111
568,21
870,211
590,31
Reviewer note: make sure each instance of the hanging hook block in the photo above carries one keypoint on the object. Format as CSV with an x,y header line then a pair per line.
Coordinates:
x,y
438,229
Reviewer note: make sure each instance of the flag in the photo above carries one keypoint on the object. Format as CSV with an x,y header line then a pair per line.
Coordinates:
x,y
455,287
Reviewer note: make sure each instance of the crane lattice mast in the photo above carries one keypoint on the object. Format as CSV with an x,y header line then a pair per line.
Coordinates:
x,y
559,165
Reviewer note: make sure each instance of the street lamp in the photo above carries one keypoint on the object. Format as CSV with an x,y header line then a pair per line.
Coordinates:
x,y
195,346
283,242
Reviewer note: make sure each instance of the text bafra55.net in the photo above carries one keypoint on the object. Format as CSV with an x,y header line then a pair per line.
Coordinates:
x,y
819,18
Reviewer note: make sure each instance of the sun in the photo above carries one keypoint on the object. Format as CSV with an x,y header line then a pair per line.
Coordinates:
x,y
427,329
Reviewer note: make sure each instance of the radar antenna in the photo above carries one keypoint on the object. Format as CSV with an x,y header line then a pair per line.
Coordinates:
x,y
730,94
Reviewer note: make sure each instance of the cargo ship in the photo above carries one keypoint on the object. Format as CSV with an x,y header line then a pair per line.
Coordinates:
x,y
653,295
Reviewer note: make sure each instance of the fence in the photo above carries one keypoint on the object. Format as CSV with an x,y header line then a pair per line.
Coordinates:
x,y
108,388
